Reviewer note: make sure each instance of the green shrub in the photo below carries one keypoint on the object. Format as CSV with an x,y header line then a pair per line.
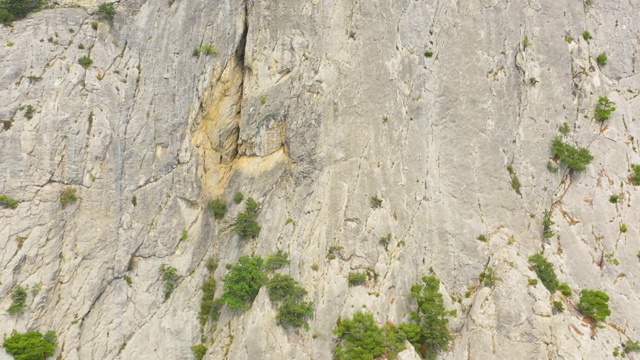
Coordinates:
x,y
94,25
547,233
526,42
207,49
246,224
575,158
333,251
586,35
29,112
635,176
565,289
294,313
209,306
242,283
251,206
631,346
169,275
623,228
19,301
199,351
11,10
360,338
184,235
558,307
428,53
552,167
282,286
533,282
357,278
385,239
31,345
602,59
488,277
237,197
217,208
68,196
376,202
614,198
604,108
276,260
482,237
533,81
7,202
106,12
85,61
545,272
594,303
431,318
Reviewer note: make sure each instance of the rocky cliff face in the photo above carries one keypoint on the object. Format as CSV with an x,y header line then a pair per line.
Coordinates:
x,y
312,108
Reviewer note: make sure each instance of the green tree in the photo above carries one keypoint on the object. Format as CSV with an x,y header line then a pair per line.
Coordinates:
x,y
575,158
431,318
283,286
246,223
242,283
11,10
294,313
106,12
545,272
604,108
31,345
19,297
360,338
217,208
169,275
276,260
594,303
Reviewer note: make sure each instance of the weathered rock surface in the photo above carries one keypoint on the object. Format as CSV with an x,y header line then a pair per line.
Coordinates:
x,y
312,108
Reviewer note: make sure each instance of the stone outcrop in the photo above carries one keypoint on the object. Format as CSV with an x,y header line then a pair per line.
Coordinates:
x,y
312,108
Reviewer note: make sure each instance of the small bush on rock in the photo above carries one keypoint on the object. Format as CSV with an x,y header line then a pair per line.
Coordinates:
x,y
360,338
169,275
594,303
276,260
604,108
68,196
106,12
357,278
7,202
217,208
19,301
246,224
575,158
242,283
31,345
545,272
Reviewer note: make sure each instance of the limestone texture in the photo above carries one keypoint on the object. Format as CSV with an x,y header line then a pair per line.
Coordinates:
x,y
312,108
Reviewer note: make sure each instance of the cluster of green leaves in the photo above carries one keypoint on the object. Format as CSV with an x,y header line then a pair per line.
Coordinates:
x,y
11,10
385,240
604,108
635,176
430,318
360,338
515,182
106,12
575,158
333,250
29,112
207,49
546,225
19,301
209,307
8,202
68,196
594,303
199,351
217,208
488,277
546,274
292,311
357,278
31,345
169,275
602,59
85,61
586,35
376,202
276,260
237,197
631,346
246,224
242,283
